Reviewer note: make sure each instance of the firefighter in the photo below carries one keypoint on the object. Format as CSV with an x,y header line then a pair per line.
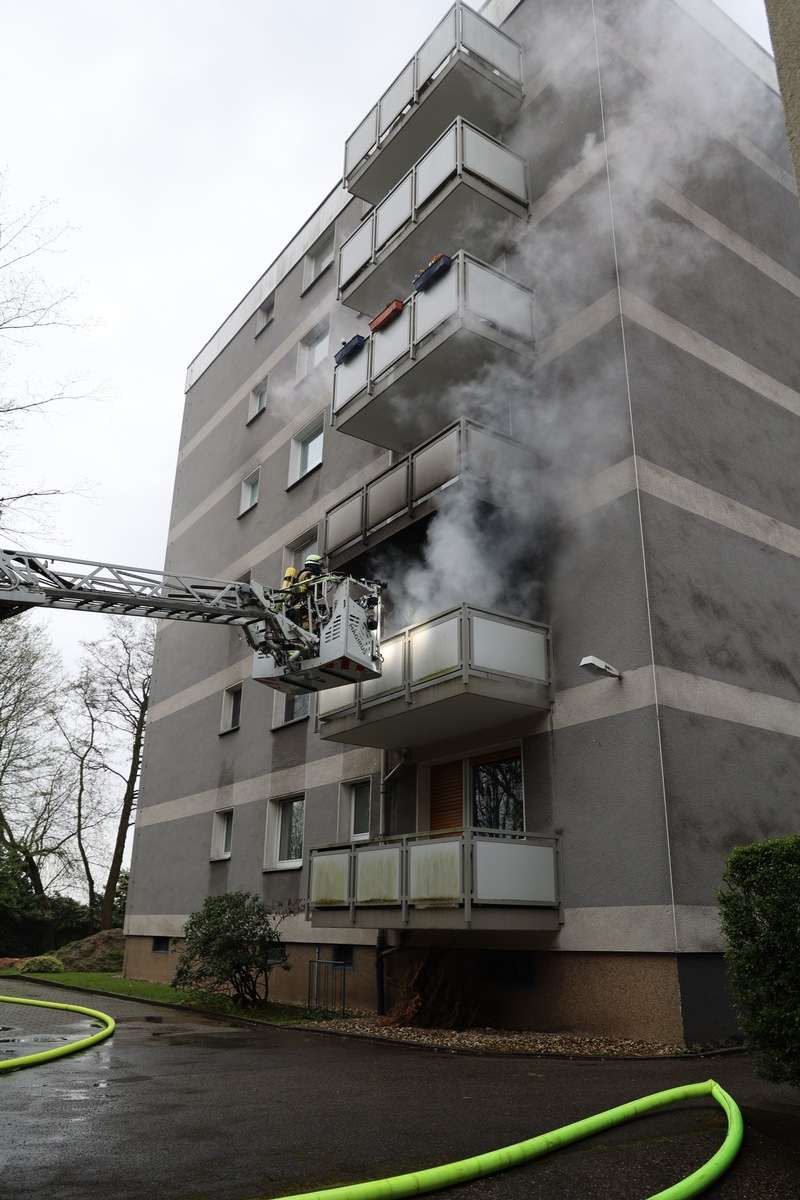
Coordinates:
x,y
313,568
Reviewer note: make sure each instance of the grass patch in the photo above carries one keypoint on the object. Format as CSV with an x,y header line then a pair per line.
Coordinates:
x,y
162,993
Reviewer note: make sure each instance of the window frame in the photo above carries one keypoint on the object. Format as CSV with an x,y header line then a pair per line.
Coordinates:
x,y
352,788
231,716
319,258
282,708
265,313
248,499
310,432
279,806
256,407
482,760
314,336
222,835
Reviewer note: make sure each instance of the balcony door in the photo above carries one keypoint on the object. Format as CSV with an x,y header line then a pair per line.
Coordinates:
x,y
447,797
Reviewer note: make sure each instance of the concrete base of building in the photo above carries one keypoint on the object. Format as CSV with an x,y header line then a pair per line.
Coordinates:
x,y
661,998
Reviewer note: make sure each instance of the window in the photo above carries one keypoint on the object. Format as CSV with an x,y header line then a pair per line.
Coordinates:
x,y
305,452
300,552
265,313
295,708
318,259
249,496
222,834
359,810
496,783
313,348
231,708
341,954
258,399
160,945
290,832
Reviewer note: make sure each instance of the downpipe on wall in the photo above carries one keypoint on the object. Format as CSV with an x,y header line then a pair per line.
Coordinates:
x,y
382,946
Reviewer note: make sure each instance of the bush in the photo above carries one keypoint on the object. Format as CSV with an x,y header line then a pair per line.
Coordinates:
x,y
45,964
761,924
231,946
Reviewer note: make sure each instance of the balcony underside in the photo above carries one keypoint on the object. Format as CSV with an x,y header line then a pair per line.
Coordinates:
x,y
436,916
437,712
417,397
465,87
466,212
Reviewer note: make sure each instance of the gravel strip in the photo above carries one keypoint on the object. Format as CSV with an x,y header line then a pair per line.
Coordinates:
x,y
502,1041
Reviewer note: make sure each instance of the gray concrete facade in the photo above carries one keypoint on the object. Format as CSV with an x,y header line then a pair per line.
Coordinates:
x,y
661,534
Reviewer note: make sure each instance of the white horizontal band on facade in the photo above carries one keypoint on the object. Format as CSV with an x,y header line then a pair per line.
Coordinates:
x,y
646,929
347,764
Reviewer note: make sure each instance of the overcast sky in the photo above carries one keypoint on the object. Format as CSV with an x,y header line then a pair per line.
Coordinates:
x,y
185,142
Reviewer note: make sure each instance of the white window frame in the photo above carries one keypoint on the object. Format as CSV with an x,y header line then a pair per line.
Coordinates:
x,y
319,258
274,834
351,811
298,461
297,554
258,399
231,709
309,354
248,497
283,708
222,834
265,313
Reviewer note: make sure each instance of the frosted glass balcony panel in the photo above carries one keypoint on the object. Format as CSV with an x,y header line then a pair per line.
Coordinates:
x,y
350,378
511,649
499,300
335,699
391,343
435,305
435,650
344,522
395,210
487,42
387,495
436,463
392,672
330,879
485,157
434,872
393,101
435,49
378,876
438,164
357,250
514,873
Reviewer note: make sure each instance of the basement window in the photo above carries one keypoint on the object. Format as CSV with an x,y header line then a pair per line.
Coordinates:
x,y
160,945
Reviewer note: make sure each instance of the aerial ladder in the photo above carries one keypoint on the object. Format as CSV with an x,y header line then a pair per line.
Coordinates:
x,y
320,634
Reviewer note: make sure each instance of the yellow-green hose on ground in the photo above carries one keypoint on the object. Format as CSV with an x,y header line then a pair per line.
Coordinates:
x,y
30,1060
467,1169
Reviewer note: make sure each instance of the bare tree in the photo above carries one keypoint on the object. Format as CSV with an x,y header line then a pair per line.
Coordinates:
x,y
114,689
29,305
35,780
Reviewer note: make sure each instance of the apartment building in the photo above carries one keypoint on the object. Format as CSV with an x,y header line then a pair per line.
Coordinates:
x,y
568,446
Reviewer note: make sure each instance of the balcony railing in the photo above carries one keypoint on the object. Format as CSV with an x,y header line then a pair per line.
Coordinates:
x,y
467,67
412,488
462,672
405,383
479,878
459,193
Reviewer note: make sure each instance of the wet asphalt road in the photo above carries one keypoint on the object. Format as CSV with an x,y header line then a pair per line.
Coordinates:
x,y
187,1109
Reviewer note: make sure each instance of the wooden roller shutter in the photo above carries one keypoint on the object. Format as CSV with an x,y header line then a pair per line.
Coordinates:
x,y
447,796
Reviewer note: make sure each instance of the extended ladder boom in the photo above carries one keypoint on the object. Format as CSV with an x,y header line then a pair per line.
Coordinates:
x,y
317,635
46,581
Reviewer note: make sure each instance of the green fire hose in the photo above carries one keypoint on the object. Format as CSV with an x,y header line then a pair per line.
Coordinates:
x,y
434,1178
31,1060
467,1169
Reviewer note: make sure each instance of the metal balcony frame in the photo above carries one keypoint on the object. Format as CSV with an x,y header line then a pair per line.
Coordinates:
x,y
460,170
467,836
420,80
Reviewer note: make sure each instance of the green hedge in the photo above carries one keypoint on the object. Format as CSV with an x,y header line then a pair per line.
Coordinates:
x,y
45,964
761,923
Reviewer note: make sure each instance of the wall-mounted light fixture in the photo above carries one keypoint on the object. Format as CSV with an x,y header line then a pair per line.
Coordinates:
x,y
597,667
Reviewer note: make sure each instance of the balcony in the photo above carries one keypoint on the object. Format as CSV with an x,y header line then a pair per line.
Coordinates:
x,y
464,671
466,67
462,192
406,381
471,878
413,488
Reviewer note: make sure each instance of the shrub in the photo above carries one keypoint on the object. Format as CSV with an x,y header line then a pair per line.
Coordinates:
x,y
232,944
761,924
45,964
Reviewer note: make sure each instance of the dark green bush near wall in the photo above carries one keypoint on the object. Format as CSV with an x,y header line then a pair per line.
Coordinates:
x,y
761,924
